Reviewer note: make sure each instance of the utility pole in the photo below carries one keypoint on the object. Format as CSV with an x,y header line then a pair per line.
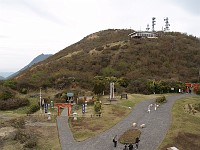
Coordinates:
x,y
199,76
40,100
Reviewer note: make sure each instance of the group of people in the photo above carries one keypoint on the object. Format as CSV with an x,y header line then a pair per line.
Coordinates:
x,y
126,146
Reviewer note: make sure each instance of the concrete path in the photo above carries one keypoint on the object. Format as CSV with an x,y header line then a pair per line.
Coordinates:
x,y
157,123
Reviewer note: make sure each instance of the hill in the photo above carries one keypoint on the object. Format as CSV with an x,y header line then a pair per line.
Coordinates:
x,y
172,56
37,59
2,78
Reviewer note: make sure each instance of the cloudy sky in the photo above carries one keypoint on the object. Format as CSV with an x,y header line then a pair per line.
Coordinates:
x,y
29,28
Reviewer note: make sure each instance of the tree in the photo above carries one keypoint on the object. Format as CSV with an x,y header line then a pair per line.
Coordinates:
x,y
99,85
97,106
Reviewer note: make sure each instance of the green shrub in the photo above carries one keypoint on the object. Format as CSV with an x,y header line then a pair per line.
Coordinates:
x,y
33,108
4,95
161,99
24,91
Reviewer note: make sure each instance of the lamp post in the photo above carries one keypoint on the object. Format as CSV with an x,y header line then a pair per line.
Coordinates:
x,y
40,100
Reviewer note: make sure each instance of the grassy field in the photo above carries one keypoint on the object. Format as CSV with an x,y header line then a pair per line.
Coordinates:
x,y
87,126
185,129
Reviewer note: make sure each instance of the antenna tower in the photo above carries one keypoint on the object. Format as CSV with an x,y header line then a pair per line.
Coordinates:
x,y
147,27
166,24
153,23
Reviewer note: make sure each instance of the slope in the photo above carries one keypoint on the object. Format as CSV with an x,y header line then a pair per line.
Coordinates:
x,y
173,56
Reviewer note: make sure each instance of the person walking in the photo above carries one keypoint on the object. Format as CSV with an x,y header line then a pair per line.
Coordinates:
x,y
137,140
125,147
115,141
130,146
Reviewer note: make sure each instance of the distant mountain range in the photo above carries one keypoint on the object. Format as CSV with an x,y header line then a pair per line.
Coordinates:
x,y
4,75
39,58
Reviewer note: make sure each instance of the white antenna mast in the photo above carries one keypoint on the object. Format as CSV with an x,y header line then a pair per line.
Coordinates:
x,y
153,23
166,24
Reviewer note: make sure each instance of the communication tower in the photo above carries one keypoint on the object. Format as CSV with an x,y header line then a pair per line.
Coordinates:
x,y
166,24
147,27
153,23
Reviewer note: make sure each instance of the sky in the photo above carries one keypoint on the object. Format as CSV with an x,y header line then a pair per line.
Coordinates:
x,y
29,28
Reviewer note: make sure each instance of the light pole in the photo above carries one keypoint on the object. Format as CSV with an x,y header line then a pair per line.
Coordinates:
x,y
40,100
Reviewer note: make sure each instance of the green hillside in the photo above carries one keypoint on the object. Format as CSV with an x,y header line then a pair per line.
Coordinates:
x,y
173,56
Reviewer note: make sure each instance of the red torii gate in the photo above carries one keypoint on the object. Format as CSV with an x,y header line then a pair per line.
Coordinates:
x,y
64,105
193,85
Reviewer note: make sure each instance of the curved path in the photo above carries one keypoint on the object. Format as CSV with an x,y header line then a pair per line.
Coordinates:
x,y
157,123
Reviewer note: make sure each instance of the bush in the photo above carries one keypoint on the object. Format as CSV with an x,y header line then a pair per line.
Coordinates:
x,y
115,47
197,106
33,108
31,143
161,99
17,122
6,94
10,104
99,48
27,138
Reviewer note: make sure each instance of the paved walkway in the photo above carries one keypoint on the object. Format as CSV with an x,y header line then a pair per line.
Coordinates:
x,y
157,123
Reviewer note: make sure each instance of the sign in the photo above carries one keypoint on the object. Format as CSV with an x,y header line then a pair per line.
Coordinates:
x,y
83,108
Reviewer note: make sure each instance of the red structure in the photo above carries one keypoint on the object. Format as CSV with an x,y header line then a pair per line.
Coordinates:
x,y
195,86
64,105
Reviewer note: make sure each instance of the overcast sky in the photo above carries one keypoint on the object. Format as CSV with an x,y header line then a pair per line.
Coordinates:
x,y
29,28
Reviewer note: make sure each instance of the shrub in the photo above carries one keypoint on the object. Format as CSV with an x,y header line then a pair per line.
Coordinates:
x,y
99,48
17,122
161,99
197,106
27,138
115,47
33,108
10,104
4,95
124,46
31,143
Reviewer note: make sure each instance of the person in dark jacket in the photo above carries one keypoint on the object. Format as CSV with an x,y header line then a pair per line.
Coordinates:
x,y
137,140
115,141
130,146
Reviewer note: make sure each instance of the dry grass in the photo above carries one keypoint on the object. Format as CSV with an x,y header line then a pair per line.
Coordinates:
x,y
129,136
185,130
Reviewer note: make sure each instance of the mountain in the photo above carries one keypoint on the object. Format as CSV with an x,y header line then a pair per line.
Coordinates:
x,y
171,56
36,60
2,78
5,74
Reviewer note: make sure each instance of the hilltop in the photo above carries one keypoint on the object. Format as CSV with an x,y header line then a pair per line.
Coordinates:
x,y
172,56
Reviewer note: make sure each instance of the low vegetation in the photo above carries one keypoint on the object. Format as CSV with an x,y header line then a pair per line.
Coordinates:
x,y
185,130
129,136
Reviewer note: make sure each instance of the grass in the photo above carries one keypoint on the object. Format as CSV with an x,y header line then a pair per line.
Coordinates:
x,y
87,126
184,132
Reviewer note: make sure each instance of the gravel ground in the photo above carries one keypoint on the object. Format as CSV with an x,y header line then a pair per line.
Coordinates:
x,y
157,123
